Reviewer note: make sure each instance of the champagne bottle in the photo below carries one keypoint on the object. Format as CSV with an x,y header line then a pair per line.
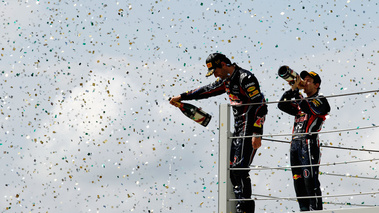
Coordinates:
x,y
194,113
287,74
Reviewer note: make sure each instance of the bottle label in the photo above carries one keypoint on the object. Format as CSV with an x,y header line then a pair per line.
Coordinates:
x,y
201,117
198,117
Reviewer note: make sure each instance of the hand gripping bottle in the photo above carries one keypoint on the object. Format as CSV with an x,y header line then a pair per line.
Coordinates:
x,y
194,113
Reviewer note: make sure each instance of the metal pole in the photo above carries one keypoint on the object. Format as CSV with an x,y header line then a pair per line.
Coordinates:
x,y
225,188
353,210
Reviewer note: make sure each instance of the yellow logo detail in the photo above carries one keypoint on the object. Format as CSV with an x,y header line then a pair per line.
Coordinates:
x,y
312,73
178,104
254,93
316,102
250,89
209,65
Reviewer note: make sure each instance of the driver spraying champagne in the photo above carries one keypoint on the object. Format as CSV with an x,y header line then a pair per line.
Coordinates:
x,y
249,110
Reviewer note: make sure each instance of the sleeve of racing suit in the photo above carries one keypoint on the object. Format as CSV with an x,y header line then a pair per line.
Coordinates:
x,y
316,106
250,85
290,107
213,89
256,116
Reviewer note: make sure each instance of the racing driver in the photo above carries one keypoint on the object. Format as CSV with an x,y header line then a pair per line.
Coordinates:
x,y
310,113
249,110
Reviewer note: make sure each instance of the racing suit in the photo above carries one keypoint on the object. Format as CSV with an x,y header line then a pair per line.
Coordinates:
x,y
243,88
309,114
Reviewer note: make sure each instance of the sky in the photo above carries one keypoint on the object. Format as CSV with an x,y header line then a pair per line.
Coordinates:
x,y
85,119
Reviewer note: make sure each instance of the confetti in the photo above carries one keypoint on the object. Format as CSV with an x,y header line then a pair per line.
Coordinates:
x,y
84,87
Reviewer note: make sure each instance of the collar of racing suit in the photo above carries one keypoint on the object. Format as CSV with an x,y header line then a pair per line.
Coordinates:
x,y
236,68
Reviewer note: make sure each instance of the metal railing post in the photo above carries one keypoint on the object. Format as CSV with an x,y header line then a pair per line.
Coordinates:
x,y
225,188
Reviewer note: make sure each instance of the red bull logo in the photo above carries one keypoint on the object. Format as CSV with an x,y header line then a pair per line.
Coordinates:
x,y
233,97
259,122
234,100
302,118
295,177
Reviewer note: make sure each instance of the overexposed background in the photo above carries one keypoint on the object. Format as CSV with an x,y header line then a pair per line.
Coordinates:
x,y
86,125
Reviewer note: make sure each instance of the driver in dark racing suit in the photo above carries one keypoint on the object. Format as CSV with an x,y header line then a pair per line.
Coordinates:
x,y
309,114
242,87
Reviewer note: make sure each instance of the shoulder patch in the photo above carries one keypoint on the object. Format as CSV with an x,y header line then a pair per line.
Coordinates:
x,y
317,102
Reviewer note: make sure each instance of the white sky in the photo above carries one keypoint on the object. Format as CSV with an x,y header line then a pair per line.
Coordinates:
x,y
86,125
